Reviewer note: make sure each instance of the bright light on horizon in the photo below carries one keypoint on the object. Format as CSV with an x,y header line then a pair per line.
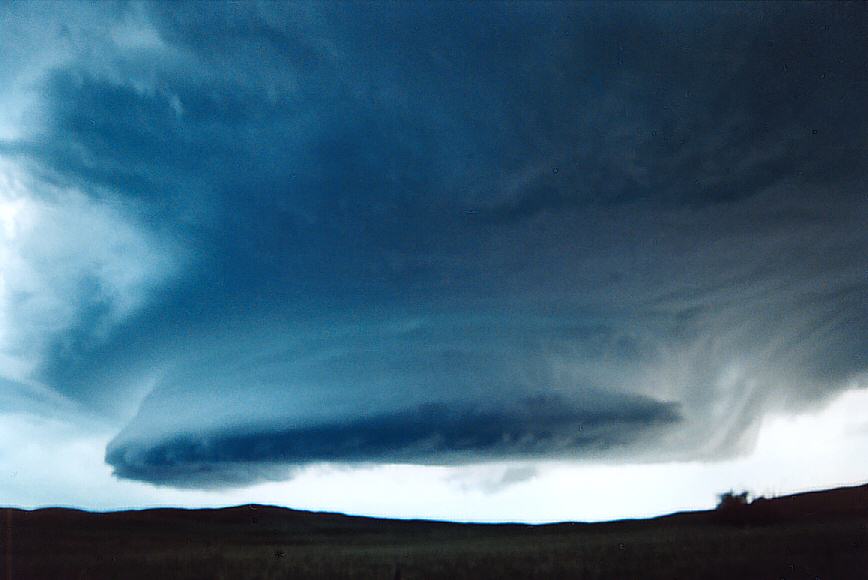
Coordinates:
x,y
793,453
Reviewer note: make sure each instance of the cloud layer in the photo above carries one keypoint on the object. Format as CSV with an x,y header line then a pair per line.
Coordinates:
x,y
261,236
535,428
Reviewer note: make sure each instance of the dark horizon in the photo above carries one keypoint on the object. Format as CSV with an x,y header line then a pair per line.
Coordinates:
x,y
855,496
432,259
820,534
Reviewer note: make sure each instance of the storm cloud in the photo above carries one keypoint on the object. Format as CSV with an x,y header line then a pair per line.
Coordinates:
x,y
258,236
535,428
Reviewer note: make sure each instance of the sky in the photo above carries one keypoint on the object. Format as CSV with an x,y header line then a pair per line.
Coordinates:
x,y
468,261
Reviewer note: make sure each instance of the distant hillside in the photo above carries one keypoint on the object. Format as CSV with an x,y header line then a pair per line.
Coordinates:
x,y
842,501
807,535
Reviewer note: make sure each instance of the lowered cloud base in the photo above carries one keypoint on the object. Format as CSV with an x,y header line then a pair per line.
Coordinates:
x,y
257,237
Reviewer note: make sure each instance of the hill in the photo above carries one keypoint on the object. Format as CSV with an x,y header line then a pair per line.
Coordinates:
x,y
809,535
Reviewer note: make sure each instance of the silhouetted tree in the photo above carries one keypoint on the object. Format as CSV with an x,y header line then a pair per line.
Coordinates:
x,y
731,500
732,508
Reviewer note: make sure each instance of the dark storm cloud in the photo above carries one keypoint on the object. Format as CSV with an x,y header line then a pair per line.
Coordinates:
x,y
393,225
538,427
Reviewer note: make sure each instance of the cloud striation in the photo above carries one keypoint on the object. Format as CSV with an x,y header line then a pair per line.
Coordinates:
x,y
260,236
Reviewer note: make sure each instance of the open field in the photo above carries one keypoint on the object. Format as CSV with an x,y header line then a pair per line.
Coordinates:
x,y
821,535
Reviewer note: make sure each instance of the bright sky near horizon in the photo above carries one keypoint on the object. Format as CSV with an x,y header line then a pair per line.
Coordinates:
x,y
469,261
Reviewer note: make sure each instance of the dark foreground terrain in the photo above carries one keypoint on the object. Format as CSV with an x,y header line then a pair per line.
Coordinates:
x,y
815,535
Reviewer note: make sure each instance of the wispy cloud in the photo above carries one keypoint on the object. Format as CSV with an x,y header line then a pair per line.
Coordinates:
x,y
71,268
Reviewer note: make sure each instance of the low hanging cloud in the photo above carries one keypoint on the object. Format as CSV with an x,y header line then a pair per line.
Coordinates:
x,y
439,233
534,428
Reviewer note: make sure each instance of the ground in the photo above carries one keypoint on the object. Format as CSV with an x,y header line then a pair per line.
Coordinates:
x,y
822,535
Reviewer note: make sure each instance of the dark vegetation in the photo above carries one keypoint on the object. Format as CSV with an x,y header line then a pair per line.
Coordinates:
x,y
815,535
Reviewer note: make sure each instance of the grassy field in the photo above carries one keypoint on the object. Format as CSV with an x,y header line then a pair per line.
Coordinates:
x,y
259,542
